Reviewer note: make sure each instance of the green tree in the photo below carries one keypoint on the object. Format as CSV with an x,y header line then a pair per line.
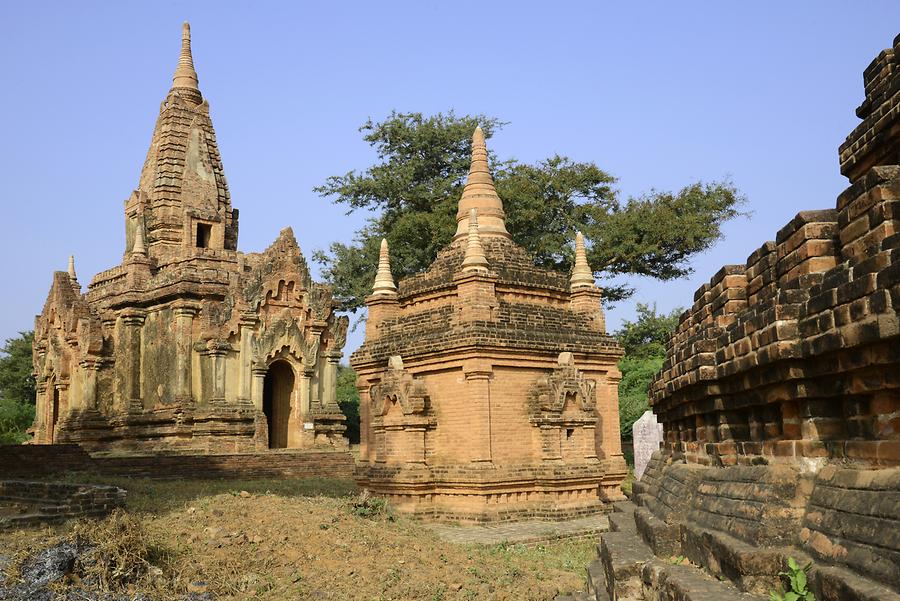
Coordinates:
x,y
644,342
348,400
414,187
17,394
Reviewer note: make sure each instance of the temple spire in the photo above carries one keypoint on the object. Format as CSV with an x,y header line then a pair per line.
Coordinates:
x,y
480,194
185,79
582,276
474,259
72,267
384,281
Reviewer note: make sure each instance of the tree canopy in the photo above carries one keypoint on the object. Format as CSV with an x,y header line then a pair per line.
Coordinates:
x,y
644,341
415,185
17,395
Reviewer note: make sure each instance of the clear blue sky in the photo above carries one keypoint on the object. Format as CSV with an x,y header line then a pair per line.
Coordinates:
x,y
657,93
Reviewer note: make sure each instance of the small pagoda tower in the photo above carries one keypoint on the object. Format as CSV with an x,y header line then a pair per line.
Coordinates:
x,y
488,386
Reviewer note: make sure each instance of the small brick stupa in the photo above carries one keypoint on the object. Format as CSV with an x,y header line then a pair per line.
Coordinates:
x,y
189,343
488,386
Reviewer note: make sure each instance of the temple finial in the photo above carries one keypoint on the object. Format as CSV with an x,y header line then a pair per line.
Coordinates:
x,y
582,276
72,267
480,194
384,281
185,78
139,248
475,260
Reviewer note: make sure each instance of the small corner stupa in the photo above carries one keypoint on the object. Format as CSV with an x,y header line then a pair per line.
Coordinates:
x,y
189,344
489,386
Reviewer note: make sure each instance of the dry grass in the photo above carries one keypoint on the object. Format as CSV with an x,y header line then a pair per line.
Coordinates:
x,y
301,539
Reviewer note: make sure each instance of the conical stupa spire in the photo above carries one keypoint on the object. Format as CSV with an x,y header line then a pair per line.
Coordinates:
x,y
384,281
185,79
72,267
139,248
480,194
474,259
582,276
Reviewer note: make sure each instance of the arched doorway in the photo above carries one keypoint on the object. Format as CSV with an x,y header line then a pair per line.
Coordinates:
x,y
277,388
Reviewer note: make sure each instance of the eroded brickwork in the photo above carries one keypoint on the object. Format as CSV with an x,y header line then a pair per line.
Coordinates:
x,y
795,355
189,343
489,387
27,503
780,401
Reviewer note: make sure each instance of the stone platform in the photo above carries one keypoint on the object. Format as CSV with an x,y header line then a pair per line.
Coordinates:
x,y
530,532
29,461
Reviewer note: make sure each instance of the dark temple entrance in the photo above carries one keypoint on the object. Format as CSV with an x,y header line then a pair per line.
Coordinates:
x,y
279,384
54,416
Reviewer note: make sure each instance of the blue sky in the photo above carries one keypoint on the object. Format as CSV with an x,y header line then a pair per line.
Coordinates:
x,y
657,93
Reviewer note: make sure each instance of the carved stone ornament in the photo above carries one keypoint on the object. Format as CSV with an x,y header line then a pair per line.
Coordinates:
x,y
282,333
398,385
564,383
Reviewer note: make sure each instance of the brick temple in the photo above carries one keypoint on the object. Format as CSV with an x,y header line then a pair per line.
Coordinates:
x,y
488,386
780,403
189,343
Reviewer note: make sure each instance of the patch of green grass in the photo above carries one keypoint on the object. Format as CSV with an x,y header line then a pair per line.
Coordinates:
x,y
628,482
572,555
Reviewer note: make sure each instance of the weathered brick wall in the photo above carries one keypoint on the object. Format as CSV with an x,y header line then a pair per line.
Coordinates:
x,y
25,502
795,353
34,461
780,393
29,461
853,518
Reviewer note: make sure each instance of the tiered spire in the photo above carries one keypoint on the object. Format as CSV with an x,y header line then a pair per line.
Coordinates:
x,y
582,276
480,194
384,281
474,259
72,267
185,79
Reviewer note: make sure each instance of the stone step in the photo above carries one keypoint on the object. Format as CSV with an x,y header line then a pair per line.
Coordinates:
x,y
751,568
621,522
663,582
623,556
837,584
597,582
663,538
623,507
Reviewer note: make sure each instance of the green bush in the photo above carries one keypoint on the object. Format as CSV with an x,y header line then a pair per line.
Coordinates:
x,y
15,418
348,401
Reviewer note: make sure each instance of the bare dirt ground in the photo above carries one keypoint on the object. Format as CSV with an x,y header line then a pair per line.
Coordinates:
x,y
312,539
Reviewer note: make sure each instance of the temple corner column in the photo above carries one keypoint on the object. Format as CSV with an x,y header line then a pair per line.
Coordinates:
x,y
184,318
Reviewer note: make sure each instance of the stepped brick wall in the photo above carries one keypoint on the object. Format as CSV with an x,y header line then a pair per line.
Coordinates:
x,y
795,355
780,403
